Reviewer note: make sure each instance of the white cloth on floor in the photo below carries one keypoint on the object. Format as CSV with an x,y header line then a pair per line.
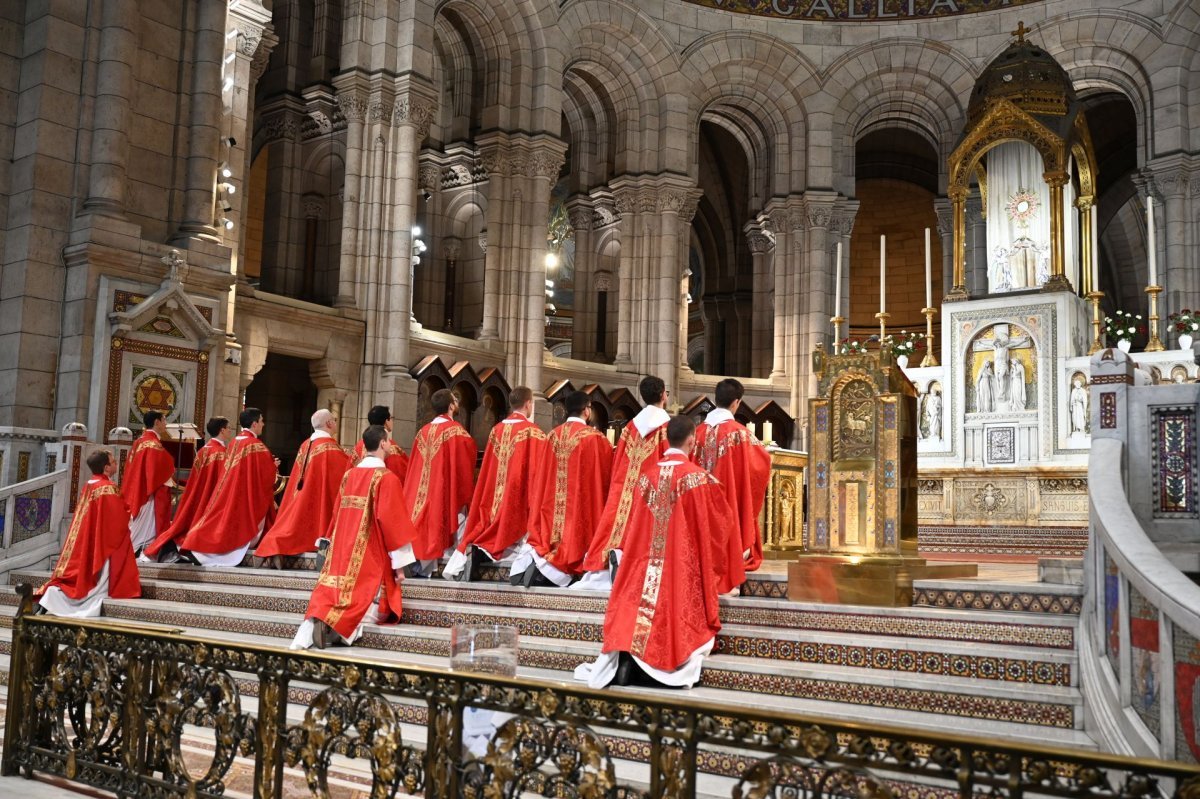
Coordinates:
x,y
600,672
57,603
527,555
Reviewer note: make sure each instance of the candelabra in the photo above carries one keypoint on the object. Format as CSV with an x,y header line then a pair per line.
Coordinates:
x,y
1154,344
1094,298
930,359
836,321
882,316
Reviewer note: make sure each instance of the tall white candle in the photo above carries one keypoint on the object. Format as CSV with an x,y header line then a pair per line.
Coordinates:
x,y
1150,241
928,272
837,286
1095,265
883,274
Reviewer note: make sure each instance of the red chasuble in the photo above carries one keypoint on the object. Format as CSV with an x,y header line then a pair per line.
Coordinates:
x,y
569,495
743,466
150,467
501,507
207,470
396,460
634,451
438,485
242,502
99,534
307,507
663,605
372,520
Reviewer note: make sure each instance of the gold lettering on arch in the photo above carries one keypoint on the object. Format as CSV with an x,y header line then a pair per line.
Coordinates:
x,y
858,10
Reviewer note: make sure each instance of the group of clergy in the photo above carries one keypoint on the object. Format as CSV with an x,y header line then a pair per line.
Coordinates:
x,y
667,523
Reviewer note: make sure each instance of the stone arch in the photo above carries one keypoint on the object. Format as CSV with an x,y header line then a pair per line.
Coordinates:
x,y
919,82
754,85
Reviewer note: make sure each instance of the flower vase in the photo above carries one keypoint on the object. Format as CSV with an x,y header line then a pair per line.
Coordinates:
x,y
1123,344
902,361
1185,341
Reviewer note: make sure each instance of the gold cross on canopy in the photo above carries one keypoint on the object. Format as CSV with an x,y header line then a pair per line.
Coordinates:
x,y
1021,31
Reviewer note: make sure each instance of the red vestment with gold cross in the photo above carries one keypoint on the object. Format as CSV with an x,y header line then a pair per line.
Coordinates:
x,y
634,451
309,500
99,534
145,479
207,470
742,465
395,458
372,520
502,505
438,484
242,504
569,495
663,605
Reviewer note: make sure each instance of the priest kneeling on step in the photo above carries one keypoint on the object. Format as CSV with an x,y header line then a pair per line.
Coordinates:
x,y
372,543
97,560
662,617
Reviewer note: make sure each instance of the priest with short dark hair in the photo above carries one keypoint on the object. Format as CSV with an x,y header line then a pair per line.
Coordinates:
x,y
207,469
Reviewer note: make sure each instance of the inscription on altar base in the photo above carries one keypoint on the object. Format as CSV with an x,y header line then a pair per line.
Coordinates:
x,y
863,500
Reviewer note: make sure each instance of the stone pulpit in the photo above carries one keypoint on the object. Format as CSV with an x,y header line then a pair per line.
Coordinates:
x,y
861,545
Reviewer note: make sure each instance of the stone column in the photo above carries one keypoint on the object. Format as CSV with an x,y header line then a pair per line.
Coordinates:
x,y
677,206
204,131
583,334
817,296
411,116
624,200
976,255
761,246
945,229
788,221
353,105
958,221
494,160
451,249
1172,178
113,108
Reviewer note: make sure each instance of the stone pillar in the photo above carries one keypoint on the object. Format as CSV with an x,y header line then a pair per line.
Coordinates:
x,y
204,130
113,109
1177,231
624,200
583,334
676,206
977,254
817,295
788,221
840,229
958,282
1084,206
353,104
945,229
451,249
761,246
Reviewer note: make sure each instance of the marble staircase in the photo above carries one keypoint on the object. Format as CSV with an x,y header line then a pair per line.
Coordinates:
x,y
994,659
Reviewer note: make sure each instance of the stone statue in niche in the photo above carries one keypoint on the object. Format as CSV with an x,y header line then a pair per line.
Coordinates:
x,y
1078,403
933,414
1016,386
985,389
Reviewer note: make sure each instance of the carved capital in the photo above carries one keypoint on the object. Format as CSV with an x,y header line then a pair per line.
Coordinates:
x,y
379,111
413,111
452,247
581,216
681,202
353,106
818,216
313,206
545,164
759,242
602,281
430,177
281,124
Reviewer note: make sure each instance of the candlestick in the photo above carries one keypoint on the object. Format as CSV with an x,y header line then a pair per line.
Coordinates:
x,y
930,359
928,272
768,433
1094,297
1154,344
837,286
1150,242
836,321
883,274
1095,265
882,316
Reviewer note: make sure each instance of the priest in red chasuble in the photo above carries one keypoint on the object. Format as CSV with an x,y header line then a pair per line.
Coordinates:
x,y
731,453
372,543
97,558
662,617
394,456
207,470
642,440
242,504
309,500
569,494
501,507
438,485
147,481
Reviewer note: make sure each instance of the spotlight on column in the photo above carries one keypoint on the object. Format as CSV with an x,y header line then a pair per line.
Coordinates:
x,y
226,207
227,223
229,141
228,188
551,260
416,231
224,169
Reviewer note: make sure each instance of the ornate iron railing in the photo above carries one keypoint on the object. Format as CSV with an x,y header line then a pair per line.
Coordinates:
x,y
113,707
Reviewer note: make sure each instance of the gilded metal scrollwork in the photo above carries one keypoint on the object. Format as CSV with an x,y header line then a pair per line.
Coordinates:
x,y
85,690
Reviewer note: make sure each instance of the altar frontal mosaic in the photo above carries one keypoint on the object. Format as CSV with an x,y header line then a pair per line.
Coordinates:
x,y
859,10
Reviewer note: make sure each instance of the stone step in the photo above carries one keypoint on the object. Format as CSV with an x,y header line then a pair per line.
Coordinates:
x,y
933,623
939,659
1054,599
